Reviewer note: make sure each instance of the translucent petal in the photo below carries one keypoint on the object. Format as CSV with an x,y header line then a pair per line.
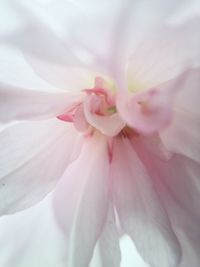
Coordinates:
x,y
81,201
21,104
141,213
33,157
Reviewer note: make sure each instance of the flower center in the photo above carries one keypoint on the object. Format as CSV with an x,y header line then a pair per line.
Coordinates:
x,y
97,111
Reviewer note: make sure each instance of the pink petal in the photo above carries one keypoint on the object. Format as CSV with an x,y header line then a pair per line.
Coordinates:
x,y
140,210
109,125
81,200
21,104
151,111
177,182
183,134
188,97
33,156
79,119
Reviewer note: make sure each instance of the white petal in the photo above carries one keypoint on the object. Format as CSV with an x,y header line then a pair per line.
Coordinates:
x,y
51,57
117,26
22,104
32,238
36,38
188,97
100,45
33,156
156,59
93,40
81,200
140,210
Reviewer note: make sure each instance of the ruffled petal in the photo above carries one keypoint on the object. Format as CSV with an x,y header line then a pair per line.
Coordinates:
x,y
109,125
22,104
140,210
32,238
33,156
81,201
177,182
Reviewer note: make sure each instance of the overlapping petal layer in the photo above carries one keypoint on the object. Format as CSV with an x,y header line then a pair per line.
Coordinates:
x,y
81,200
178,184
22,104
141,212
182,136
33,157
151,111
163,55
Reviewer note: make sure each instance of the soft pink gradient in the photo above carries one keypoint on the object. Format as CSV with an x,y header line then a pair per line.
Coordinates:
x,y
117,143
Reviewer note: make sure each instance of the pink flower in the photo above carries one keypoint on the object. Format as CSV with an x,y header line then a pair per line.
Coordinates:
x,y
121,145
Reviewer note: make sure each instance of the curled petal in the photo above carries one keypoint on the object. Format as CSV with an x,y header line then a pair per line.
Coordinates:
x,y
152,110
109,125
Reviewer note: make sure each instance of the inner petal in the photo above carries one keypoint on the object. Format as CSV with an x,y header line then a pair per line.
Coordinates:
x,y
97,111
